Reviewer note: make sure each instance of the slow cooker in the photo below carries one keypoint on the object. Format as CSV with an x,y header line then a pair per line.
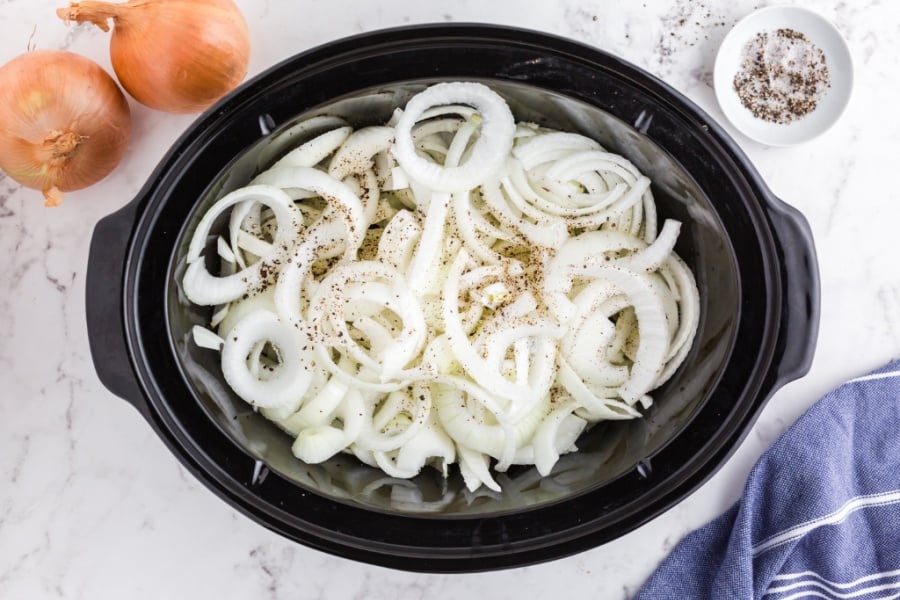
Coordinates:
x,y
752,255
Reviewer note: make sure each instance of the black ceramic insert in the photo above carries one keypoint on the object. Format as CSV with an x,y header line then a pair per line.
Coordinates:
x,y
752,255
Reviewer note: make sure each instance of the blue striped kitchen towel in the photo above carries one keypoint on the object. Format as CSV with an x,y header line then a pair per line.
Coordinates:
x,y
819,516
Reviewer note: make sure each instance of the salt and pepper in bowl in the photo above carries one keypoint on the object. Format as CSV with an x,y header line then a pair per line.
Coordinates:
x,y
783,75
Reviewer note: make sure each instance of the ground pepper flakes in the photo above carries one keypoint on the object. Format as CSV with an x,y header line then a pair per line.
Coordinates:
x,y
783,76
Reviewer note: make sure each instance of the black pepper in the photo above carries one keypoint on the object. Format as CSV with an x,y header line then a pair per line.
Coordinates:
x,y
783,76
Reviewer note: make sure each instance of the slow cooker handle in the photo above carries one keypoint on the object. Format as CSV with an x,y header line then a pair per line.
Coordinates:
x,y
800,281
105,309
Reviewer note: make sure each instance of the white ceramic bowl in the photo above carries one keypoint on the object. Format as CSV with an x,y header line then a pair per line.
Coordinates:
x,y
820,32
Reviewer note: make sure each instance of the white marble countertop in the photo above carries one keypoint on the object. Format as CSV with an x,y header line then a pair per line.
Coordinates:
x,y
92,505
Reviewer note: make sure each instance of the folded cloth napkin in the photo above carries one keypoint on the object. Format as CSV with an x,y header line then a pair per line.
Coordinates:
x,y
819,516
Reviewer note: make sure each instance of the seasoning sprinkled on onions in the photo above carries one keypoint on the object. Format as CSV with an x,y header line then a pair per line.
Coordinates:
x,y
178,56
64,123
476,291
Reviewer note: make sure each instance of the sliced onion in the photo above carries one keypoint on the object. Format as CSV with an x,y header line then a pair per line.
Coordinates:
x,y
315,150
319,410
475,366
341,200
245,215
573,258
285,388
204,338
489,152
556,434
224,250
689,309
467,429
651,258
596,407
430,245
328,306
326,237
398,241
549,232
319,443
303,130
357,153
474,467
652,324
419,399
549,147
200,286
458,288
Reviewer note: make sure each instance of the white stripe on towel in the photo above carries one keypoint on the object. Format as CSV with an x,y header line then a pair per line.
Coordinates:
x,y
875,376
865,592
838,516
854,583
835,593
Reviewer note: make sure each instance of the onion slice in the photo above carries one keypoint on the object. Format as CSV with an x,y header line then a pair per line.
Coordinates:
x,y
289,380
200,286
488,153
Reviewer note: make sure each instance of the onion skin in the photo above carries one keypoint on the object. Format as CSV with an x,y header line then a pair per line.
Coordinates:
x,y
64,123
178,56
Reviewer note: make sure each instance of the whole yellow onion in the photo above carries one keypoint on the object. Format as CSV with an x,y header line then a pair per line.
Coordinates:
x,y
178,56
64,123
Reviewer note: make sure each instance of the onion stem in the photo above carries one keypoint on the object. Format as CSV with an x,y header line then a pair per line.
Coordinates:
x,y
97,13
